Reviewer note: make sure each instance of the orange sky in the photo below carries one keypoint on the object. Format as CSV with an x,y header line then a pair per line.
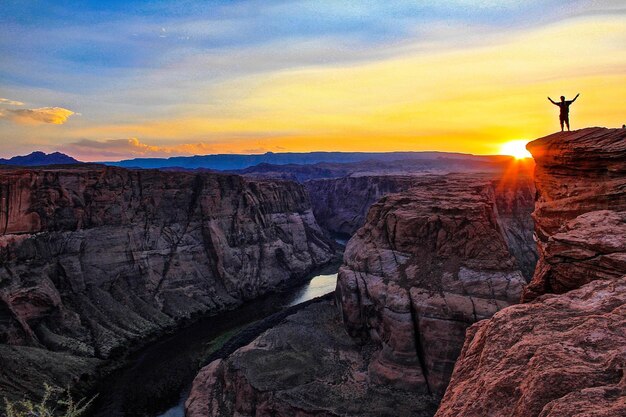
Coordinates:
x,y
469,90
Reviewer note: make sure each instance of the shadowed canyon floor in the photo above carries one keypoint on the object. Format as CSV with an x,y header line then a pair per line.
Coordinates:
x,y
306,366
155,381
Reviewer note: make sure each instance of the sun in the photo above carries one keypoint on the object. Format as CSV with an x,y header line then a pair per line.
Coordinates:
x,y
515,148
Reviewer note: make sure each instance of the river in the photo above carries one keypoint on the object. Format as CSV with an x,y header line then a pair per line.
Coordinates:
x,y
156,381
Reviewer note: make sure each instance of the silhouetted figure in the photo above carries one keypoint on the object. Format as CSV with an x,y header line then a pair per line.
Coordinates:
x,y
564,106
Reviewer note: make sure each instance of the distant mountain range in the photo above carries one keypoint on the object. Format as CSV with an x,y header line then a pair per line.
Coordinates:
x,y
439,166
39,158
229,162
297,166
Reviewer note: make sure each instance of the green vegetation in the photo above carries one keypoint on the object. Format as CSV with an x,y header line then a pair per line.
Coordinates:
x,y
56,402
217,343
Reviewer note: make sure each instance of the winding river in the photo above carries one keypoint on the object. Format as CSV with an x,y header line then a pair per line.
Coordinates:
x,y
156,381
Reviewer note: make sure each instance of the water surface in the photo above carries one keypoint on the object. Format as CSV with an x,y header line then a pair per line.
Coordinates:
x,y
157,380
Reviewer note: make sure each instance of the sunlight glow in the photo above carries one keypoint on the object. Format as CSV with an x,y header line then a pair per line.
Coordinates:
x,y
515,148
463,88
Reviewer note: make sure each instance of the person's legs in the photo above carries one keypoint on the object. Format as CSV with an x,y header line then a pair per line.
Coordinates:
x,y
561,120
567,123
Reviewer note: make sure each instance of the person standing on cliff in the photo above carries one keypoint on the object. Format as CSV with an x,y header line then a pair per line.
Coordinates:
x,y
564,113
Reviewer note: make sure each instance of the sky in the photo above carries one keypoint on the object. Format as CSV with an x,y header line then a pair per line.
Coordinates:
x,y
110,80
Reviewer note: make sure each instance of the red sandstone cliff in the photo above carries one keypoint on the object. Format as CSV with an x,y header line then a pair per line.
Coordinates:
x,y
341,204
427,264
559,356
96,258
563,354
581,187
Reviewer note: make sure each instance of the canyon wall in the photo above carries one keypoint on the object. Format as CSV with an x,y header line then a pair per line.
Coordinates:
x,y
562,353
427,264
340,205
97,258
581,184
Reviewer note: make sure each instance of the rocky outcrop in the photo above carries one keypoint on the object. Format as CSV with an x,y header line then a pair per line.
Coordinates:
x,y
340,205
579,216
306,366
560,354
427,264
96,258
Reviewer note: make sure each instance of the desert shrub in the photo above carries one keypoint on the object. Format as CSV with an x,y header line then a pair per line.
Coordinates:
x,y
56,402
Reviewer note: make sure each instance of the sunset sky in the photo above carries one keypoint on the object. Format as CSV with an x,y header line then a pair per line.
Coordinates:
x,y
109,80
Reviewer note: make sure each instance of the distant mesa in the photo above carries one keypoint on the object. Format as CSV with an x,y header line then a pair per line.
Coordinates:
x,y
39,158
230,162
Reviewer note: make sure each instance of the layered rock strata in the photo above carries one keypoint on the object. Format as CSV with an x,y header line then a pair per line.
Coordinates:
x,y
97,258
340,205
427,264
307,366
579,216
561,354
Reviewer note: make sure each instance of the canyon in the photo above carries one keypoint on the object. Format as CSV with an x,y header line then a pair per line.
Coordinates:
x,y
460,294
429,261
341,205
563,351
426,319
96,260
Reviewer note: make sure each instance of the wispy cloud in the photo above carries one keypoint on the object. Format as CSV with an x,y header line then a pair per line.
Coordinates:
x,y
10,102
51,115
111,149
243,76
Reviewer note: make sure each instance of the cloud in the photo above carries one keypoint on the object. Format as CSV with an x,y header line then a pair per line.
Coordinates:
x,y
51,115
10,102
451,75
111,149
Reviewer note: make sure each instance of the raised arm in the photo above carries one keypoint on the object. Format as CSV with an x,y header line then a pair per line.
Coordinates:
x,y
552,101
574,99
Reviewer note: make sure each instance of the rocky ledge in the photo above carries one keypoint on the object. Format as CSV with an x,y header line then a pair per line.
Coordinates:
x,y
427,264
560,354
579,215
341,205
96,259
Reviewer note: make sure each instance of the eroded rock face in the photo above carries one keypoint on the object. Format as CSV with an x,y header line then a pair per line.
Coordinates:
x,y
306,366
579,216
96,258
558,356
427,264
340,205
